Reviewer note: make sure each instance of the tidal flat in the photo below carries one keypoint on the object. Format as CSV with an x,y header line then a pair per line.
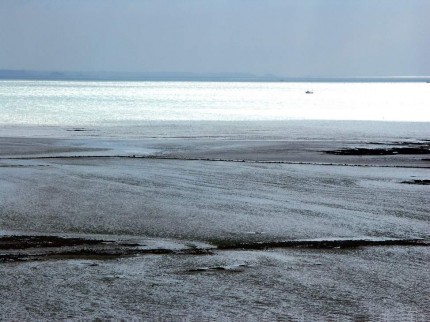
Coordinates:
x,y
223,220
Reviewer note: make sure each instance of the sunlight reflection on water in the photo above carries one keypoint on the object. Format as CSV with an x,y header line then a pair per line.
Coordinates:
x,y
101,103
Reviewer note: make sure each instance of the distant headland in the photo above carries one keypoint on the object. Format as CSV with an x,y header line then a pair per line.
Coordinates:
x,y
9,74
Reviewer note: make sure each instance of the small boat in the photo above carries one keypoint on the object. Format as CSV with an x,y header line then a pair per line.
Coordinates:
x,y
309,92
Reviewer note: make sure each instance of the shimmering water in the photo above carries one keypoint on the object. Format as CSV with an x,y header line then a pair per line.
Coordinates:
x,y
110,103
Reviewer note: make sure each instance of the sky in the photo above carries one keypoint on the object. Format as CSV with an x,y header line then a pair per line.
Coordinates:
x,y
291,38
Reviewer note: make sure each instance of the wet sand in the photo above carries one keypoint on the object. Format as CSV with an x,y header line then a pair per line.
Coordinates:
x,y
210,227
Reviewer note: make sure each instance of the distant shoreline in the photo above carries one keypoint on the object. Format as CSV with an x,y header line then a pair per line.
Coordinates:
x,y
194,77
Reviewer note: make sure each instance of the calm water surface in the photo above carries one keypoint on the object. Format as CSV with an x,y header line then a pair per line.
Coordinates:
x,y
109,103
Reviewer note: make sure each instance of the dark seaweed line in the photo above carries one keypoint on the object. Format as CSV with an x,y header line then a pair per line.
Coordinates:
x,y
380,152
87,253
323,244
154,157
113,253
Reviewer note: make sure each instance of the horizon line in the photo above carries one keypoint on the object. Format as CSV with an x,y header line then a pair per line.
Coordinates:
x,y
220,76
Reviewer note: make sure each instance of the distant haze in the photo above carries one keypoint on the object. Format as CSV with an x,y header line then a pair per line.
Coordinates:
x,y
316,38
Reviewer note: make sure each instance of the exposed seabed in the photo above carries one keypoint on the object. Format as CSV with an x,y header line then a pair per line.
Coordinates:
x,y
252,224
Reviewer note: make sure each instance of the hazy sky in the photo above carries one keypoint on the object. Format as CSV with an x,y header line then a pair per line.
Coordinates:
x,y
281,37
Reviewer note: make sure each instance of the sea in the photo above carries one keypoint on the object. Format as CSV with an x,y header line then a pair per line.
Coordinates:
x,y
143,108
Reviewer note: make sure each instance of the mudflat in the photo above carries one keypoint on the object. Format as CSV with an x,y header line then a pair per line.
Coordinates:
x,y
251,227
